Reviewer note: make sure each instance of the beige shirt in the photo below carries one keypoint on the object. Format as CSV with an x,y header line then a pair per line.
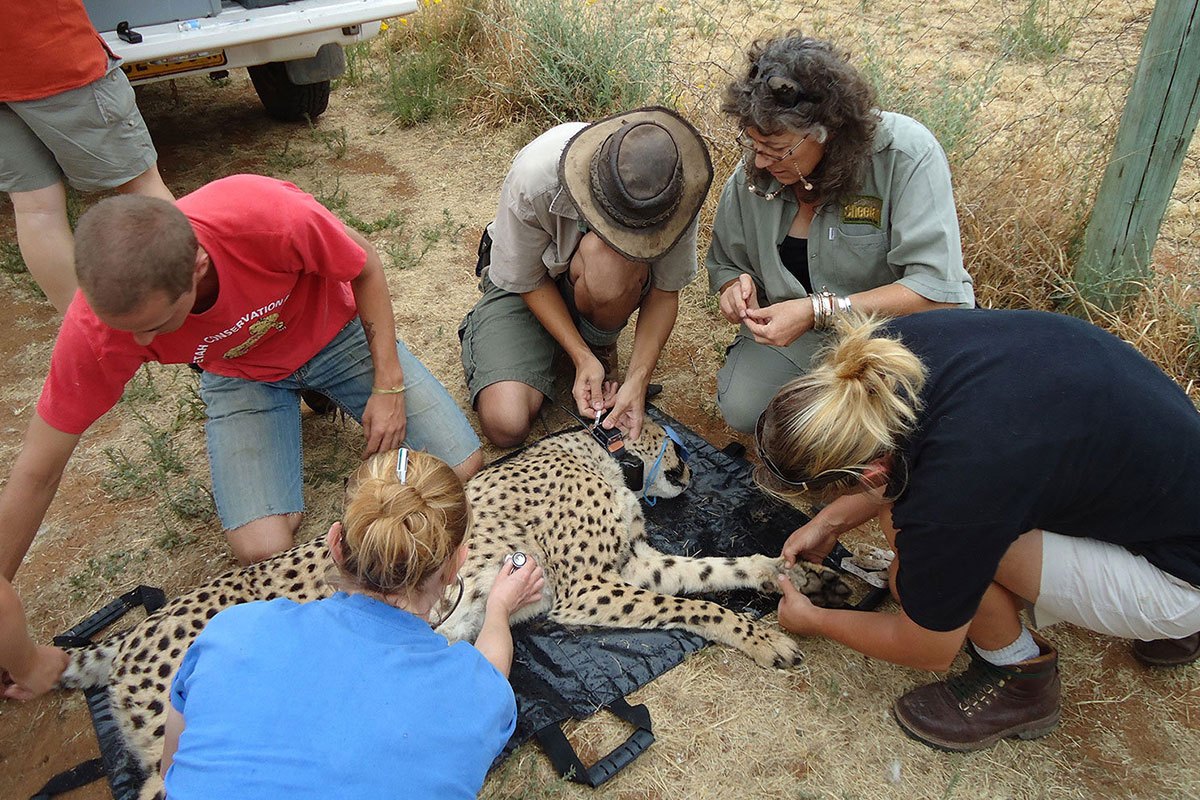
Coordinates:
x,y
537,227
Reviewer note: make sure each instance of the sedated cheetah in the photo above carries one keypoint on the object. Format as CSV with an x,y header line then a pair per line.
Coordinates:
x,y
563,501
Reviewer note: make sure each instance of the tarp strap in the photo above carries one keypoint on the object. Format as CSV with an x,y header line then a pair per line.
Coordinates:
x,y
71,779
567,761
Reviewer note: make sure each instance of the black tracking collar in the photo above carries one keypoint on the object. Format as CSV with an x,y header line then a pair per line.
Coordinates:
x,y
613,441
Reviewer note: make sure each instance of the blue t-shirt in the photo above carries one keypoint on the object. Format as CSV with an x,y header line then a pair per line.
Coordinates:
x,y
1036,420
345,697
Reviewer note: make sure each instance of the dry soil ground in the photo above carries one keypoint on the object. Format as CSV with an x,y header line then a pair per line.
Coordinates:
x,y
133,507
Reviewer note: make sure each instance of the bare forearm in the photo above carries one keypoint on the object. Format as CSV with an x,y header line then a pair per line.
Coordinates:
x,y
548,306
890,637
847,513
374,303
23,506
655,321
893,300
495,640
17,649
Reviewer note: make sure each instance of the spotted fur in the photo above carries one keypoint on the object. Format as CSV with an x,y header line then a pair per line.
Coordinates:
x,y
562,501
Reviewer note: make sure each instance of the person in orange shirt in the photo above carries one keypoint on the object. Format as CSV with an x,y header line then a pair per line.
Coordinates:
x,y
67,112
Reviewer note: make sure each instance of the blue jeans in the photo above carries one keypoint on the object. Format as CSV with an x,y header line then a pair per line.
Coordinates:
x,y
253,427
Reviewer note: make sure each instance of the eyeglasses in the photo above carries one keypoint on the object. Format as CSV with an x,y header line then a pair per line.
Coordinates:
x,y
750,147
819,481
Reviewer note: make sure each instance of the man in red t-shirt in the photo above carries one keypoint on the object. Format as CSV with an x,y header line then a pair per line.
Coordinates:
x,y
66,112
260,286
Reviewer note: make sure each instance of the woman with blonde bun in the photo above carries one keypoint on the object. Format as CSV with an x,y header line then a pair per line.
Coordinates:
x,y
356,695
1015,460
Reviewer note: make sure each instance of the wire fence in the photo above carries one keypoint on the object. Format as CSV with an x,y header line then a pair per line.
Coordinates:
x,y
1025,98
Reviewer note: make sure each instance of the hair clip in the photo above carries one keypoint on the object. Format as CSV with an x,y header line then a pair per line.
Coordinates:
x,y
402,466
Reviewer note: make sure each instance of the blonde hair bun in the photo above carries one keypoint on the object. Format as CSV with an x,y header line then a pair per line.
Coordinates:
x,y
396,535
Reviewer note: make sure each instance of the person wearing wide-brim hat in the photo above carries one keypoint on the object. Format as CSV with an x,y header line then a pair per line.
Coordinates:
x,y
595,221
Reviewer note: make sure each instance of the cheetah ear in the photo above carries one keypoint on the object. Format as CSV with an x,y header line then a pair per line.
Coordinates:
x,y
334,540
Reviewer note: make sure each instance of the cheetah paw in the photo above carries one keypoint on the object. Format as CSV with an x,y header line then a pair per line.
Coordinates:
x,y
822,585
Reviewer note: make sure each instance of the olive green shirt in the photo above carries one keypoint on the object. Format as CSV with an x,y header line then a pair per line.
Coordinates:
x,y
900,227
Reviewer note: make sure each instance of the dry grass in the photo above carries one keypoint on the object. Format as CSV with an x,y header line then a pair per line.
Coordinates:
x,y
725,727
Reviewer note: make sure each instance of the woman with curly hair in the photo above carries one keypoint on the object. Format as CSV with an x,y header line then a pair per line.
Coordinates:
x,y
836,205
1015,460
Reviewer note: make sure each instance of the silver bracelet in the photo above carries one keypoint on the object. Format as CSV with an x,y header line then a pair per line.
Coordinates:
x,y
826,307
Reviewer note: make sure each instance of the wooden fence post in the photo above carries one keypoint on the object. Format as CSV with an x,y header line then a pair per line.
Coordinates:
x,y
1153,137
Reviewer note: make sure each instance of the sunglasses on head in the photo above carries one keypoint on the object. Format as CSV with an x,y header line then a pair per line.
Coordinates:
x,y
819,481
785,90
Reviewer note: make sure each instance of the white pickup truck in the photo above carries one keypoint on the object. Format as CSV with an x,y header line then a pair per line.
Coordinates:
x,y
292,48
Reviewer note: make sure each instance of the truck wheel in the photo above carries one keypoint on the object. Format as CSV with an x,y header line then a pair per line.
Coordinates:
x,y
284,100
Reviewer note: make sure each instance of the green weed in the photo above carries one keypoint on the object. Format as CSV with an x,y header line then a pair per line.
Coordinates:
x,y
285,159
358,63
446,228
556,61
947,105
334,140
11,262
101,570
387,222
1037,34
416,89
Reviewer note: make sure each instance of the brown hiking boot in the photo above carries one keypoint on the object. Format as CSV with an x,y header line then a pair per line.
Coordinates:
x,y
606,354
986,703
1168,652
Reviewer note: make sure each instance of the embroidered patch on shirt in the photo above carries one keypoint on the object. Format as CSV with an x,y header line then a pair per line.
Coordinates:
x,y
863,209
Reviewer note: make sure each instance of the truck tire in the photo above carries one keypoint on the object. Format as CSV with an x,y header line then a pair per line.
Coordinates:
x,y
284,100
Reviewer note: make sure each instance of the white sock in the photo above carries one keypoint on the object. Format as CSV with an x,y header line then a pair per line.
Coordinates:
x,y
1021,649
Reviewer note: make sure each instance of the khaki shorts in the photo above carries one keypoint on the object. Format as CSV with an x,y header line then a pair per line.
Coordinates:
x,y
502,340
93,136
1105,588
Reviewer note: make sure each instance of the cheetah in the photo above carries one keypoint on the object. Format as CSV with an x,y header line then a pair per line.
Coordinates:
x,y
563,501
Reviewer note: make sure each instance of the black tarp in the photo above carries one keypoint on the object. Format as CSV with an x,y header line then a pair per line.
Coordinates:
x,y
563,673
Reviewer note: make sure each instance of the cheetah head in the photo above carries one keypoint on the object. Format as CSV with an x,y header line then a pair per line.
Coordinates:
x,y
666,473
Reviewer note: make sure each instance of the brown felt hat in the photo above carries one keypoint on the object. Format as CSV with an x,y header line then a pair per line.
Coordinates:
x,y
638,179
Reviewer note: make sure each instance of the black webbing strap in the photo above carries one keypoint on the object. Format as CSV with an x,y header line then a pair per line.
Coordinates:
x,y
71,779
568,763
147,597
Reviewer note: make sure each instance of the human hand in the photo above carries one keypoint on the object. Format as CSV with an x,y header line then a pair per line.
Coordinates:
x,y
796,612
38,677
590,391
384,423
628,409
780,324
810,542
516,587
737,297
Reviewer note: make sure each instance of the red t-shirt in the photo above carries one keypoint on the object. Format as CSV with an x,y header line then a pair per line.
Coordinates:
x,y
284,263
48,46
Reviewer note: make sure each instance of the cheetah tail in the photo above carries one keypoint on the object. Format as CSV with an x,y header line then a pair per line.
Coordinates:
x,y
89,666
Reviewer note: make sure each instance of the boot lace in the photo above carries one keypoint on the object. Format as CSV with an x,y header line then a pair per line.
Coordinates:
x,y
977,684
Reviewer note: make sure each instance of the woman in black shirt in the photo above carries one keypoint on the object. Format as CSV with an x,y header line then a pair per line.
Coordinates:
x,y
1013,458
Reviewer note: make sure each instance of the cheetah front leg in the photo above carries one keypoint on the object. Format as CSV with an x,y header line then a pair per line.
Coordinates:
x,y
652,569
614,604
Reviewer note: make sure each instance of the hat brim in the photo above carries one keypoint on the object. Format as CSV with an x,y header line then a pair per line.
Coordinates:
x,y
650,243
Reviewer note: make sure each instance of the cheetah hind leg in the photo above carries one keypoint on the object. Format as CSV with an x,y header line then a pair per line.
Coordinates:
x,y
614,604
